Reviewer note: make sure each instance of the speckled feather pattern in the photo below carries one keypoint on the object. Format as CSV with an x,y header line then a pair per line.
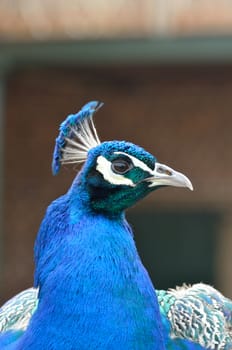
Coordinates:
x,y
198,313
15,314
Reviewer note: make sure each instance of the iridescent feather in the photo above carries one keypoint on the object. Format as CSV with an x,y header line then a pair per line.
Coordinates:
x,y
15,314
197,313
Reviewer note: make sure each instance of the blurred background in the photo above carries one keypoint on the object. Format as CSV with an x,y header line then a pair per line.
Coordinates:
x,y
164,71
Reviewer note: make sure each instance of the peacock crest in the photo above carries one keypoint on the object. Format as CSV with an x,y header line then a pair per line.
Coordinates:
x,y
77,136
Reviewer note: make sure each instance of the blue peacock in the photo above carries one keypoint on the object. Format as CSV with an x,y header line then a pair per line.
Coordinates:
x,y
91,290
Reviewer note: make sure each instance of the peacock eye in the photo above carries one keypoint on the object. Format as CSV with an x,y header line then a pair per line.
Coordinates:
x,y
121,166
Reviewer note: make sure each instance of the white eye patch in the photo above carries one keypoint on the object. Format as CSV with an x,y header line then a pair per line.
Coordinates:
x,y
137,163
104,167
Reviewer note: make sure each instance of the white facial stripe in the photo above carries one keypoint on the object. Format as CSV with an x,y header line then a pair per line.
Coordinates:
x,y
137,163
104,167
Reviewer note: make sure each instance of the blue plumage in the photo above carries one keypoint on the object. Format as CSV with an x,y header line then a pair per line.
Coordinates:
x,y
95,284
94,292
194,317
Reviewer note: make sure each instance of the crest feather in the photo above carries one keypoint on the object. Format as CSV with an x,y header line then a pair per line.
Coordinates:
x,y
77,136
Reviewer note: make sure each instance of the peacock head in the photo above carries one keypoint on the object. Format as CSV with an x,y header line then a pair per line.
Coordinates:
x,y
115,174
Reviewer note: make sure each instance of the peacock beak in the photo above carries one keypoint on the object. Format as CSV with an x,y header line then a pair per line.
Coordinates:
x,y
166,176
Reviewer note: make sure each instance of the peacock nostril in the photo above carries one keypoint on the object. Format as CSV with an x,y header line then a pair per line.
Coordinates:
x,y
162,170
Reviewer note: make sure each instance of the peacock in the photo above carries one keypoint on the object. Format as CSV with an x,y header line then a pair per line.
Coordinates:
x,y
194,317
91,290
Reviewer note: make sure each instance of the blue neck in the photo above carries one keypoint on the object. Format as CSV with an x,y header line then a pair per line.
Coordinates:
x,y
94,291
